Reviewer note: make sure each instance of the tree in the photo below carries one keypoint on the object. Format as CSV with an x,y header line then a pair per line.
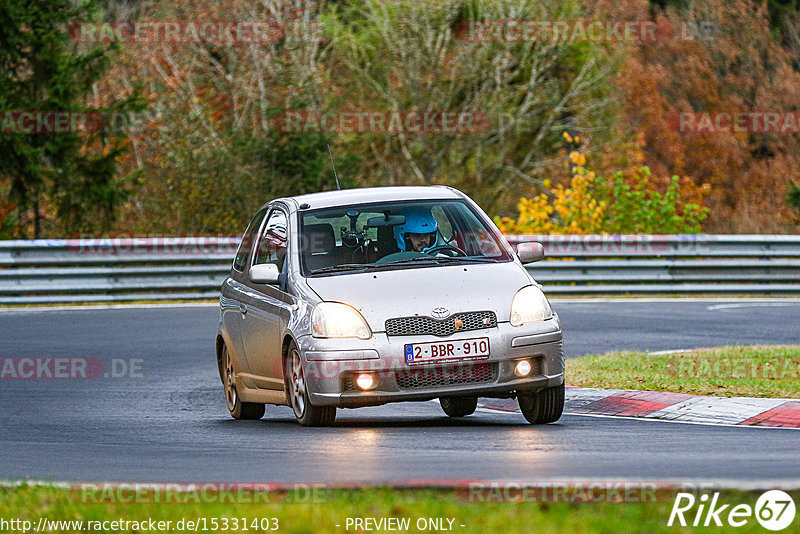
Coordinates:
x,y
418,55
730,70
215,104
209,151
71,175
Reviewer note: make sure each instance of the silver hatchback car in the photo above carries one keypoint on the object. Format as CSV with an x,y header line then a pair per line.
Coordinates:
x,y
363,297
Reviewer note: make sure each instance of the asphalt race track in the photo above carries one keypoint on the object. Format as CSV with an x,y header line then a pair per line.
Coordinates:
x,y
164,418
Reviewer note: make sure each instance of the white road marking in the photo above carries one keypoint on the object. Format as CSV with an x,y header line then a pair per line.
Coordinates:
x,y
652,420
37,309
718,410
679,421
750,305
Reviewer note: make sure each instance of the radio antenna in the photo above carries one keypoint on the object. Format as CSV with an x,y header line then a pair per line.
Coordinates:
x,y
334,167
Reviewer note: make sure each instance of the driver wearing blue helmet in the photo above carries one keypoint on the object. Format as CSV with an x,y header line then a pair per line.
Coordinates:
x,y
417,233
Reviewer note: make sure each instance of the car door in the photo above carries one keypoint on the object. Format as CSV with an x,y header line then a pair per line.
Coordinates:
x,y
266,306
234,291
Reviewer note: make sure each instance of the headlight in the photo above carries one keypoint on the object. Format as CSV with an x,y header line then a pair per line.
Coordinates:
x,y
332,319
529,306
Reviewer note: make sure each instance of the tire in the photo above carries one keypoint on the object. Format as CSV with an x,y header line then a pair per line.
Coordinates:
x,y
459,406
542,407
306,413
237,408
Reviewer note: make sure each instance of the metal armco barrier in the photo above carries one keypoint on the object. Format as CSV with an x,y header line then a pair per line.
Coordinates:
x,y
118,269
668,264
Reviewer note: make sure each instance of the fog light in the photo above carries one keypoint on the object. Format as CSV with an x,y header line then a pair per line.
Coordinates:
x,y
365,381
523,368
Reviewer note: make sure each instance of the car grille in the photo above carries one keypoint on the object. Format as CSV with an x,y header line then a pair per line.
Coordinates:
x,y
432,377
349,383
419,326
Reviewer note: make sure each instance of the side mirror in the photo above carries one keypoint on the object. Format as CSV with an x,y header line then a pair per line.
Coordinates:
x,y
530,252
265,273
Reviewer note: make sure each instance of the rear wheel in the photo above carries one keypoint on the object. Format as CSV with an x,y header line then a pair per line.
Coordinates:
x,y
237,408
459,406
306,413
545,406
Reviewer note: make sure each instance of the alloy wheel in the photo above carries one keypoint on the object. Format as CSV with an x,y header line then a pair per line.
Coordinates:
x,y
297,383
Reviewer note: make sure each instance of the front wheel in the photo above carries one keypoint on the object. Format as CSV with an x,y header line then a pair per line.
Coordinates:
x,y
237,408
306,413
545,406
459,406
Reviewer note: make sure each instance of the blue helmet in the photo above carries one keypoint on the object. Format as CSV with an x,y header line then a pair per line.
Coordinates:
x,y
417,222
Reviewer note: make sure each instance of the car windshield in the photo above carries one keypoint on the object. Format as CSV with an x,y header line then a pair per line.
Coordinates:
x,y
396,235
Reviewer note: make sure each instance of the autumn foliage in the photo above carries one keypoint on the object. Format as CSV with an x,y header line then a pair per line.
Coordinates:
x,y
206,152
617,204
724,58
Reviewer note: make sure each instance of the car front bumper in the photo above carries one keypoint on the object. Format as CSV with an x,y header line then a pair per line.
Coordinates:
x,y
331,365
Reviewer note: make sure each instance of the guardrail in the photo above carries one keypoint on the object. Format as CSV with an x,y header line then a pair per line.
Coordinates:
x,y
670,264
53,271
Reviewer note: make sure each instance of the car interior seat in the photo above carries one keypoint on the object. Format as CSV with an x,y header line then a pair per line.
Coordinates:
x,y
386,243
319,249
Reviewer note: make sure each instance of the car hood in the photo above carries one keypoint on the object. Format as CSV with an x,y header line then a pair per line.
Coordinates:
x,y
382,295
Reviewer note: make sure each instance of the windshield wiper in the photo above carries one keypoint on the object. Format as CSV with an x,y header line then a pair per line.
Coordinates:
x,y
442,259
342,267
410,261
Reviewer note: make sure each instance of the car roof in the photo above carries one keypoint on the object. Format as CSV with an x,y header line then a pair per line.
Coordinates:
x,y
365,195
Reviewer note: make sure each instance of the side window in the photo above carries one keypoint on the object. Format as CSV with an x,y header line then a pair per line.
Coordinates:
x,y
445,228
471,235
247,241
271,246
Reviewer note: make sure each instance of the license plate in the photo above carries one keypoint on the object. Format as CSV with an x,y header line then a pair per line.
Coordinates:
x,y
447,351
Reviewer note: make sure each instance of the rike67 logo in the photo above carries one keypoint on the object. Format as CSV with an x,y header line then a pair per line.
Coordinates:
x,y
774,510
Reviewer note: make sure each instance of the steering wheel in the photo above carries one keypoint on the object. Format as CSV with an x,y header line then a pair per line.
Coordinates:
x,y
449,250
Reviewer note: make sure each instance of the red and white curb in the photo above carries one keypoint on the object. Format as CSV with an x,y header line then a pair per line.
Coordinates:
x,y
746,411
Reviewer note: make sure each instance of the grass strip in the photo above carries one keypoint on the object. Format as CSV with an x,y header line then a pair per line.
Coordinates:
x,y
729,371
329,511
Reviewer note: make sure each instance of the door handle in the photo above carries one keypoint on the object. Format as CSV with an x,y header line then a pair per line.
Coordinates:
x,y
242,308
